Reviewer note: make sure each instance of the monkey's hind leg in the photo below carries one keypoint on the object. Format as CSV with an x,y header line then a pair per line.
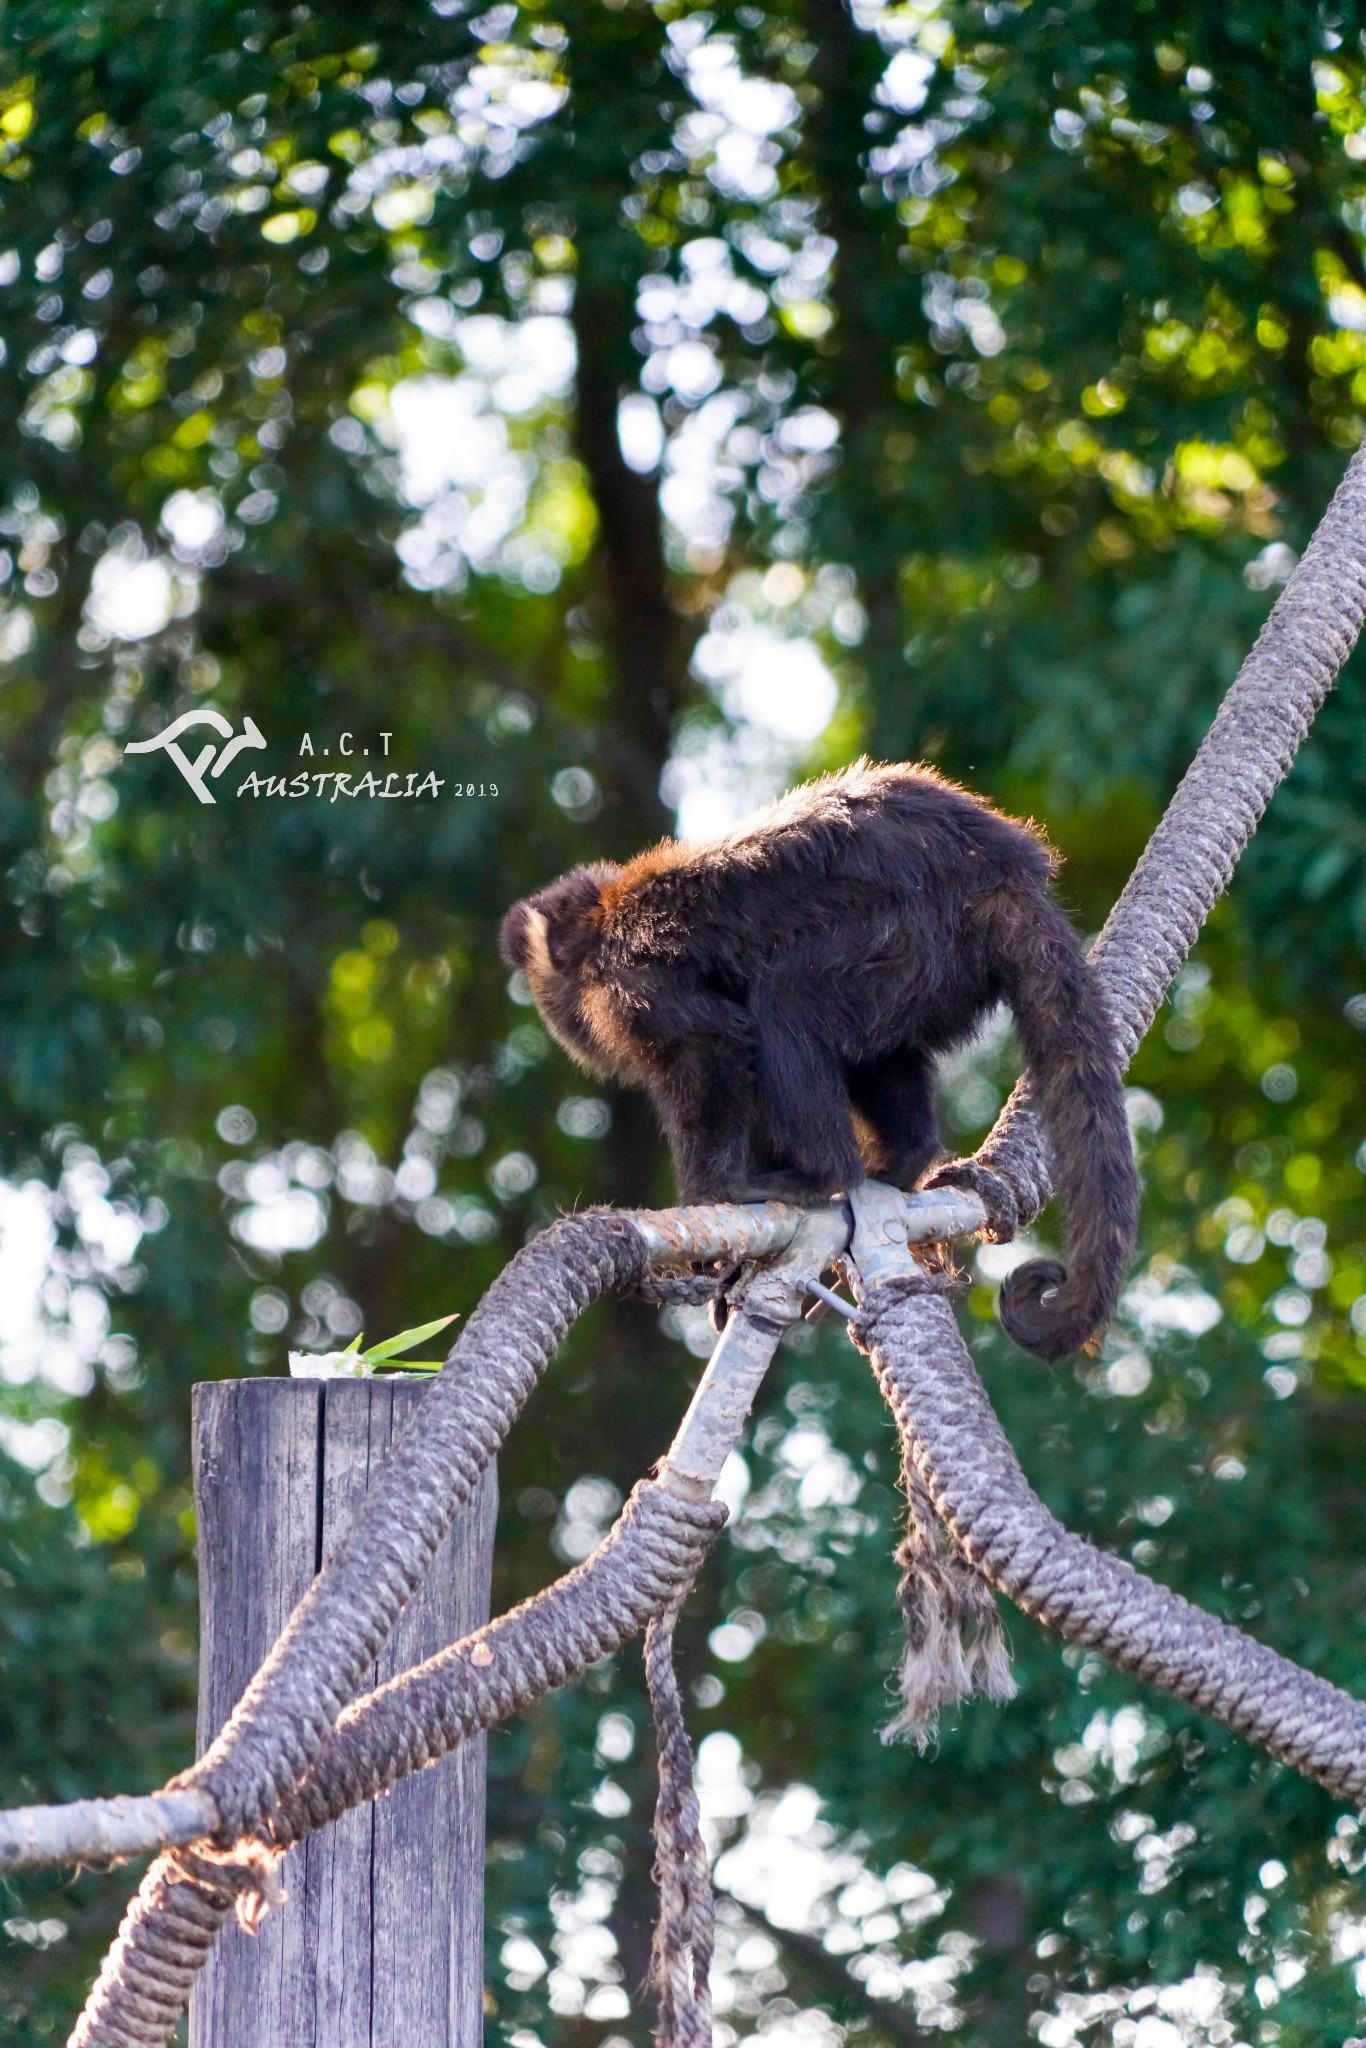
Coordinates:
x,y
894,1095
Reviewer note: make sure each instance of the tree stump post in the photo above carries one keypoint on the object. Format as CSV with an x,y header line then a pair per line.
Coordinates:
x,y
380,1944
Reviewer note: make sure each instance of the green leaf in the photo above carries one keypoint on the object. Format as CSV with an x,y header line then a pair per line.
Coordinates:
x,y
391,1346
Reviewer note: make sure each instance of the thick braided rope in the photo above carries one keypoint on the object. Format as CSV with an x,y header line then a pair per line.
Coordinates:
x,y
148,1974
1187,863
685,1932
949,1430
643,1566
343,1621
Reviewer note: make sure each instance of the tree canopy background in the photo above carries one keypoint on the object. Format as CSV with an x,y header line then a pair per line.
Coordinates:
x,y
624,408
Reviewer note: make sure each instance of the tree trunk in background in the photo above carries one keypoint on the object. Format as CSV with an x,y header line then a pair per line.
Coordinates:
x,y
877,302
648,645
647,642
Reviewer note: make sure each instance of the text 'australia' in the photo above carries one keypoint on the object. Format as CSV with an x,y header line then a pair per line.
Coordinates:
x,y
393,785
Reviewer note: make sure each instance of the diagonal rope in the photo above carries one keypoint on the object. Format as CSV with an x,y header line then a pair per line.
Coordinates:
x,y
1187,863
1181,874
950,1432
643,1566
148,1974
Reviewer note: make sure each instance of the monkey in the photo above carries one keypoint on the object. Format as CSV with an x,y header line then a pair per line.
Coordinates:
x,y
783,990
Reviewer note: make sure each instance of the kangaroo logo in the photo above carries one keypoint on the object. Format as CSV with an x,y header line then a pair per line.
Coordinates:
x,y
193,771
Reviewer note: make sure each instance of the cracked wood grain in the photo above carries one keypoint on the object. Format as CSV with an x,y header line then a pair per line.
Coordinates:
x,y
380,1943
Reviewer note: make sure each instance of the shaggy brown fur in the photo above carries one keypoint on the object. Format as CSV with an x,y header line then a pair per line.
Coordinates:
x,y
785,988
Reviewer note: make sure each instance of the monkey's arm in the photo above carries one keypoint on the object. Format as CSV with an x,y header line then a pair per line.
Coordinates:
x,y
662,1007
697,1050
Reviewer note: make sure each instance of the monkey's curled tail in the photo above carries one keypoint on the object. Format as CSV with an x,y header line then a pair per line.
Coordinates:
x,y
1069,1043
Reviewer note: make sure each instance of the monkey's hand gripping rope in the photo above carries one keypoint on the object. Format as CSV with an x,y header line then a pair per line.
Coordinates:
x,y
301,1748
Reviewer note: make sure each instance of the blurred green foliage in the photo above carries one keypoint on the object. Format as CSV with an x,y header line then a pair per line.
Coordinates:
x,y
1038,337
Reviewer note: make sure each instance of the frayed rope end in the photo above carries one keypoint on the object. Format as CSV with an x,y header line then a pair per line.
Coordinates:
x,y
955,1644
949,1664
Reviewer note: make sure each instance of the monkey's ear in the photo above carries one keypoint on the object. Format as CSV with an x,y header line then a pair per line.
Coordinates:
x,y
512,935
571,913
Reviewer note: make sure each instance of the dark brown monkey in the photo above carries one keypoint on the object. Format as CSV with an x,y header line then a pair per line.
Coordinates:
x,y
789,984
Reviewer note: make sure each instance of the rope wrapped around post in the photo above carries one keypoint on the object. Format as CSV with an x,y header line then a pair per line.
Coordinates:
x,y
343,1621
644,1566
644,1569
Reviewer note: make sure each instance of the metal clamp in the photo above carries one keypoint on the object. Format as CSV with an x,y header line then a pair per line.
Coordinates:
x,y
879,1248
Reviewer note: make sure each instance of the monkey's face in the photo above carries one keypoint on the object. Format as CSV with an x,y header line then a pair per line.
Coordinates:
x,y
552,937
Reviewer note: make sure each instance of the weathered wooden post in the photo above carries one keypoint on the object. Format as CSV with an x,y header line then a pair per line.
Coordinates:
x,y
381,1942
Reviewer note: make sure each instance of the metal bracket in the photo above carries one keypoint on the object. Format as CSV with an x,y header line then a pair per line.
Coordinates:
x,y
879,1248
885,1224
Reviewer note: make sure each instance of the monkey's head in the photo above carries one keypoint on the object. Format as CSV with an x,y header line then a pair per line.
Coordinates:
x,y
551,937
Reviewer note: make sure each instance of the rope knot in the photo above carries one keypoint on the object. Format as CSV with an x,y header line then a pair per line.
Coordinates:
x,y
248,1874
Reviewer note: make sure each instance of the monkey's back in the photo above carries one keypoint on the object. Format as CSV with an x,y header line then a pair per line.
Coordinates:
x,y
855,879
